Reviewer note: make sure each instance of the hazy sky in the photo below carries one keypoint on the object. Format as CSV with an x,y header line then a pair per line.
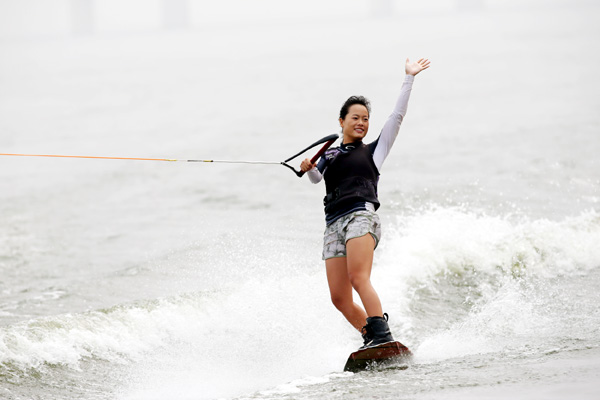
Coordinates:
x,y
27,18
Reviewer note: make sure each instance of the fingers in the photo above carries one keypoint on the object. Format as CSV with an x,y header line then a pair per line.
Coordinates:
x,y
421,62
306,165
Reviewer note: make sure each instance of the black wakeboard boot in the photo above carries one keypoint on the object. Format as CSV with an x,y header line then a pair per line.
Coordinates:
x,y
376,332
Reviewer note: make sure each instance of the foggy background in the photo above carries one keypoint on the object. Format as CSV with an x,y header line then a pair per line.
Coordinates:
x,y
35,18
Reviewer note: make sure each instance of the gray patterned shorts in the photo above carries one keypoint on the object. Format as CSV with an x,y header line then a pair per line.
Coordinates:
x,y
350,226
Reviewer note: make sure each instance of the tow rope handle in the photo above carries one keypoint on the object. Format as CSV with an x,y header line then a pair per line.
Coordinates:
x,y
328,142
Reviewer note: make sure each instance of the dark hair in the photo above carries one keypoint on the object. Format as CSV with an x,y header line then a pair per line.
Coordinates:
x,y
352,100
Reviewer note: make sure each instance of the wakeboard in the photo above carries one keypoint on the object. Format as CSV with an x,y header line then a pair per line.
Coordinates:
x,y
373,357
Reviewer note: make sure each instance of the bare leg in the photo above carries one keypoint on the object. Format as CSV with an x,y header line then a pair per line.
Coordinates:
x,y
340,289
359,263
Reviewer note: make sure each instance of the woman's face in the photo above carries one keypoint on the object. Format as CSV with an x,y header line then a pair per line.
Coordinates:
x,y
356,123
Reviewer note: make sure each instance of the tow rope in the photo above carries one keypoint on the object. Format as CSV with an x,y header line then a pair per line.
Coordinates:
x,y
328,140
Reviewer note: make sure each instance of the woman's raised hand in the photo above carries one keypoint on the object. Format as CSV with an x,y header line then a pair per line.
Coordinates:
x,y
413,68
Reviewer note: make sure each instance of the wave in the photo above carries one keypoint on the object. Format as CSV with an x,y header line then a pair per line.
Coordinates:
x,y
112,334
468,283
255,334
455,240
455,283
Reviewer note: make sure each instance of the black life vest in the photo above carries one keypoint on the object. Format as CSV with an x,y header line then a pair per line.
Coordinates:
x,y
351,178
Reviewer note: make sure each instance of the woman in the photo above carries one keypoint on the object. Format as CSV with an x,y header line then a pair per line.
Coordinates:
x,y
351,173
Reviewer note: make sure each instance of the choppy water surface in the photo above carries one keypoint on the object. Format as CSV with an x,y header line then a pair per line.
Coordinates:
x,y
151,280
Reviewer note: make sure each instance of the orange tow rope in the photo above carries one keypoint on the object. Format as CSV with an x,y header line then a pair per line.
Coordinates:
x,y
102,158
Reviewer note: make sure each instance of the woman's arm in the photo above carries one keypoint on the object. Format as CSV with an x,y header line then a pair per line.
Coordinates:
x,y
390,129
314,175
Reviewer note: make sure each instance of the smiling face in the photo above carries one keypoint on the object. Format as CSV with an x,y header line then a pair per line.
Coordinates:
x,y
356,123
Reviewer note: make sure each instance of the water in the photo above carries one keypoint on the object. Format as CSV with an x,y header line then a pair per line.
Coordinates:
x,y
150,280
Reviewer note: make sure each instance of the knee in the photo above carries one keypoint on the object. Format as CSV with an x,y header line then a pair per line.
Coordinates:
x,y
340,302
358,281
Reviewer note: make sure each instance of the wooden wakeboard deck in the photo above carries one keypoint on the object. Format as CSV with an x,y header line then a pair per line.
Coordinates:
x,y
373,356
